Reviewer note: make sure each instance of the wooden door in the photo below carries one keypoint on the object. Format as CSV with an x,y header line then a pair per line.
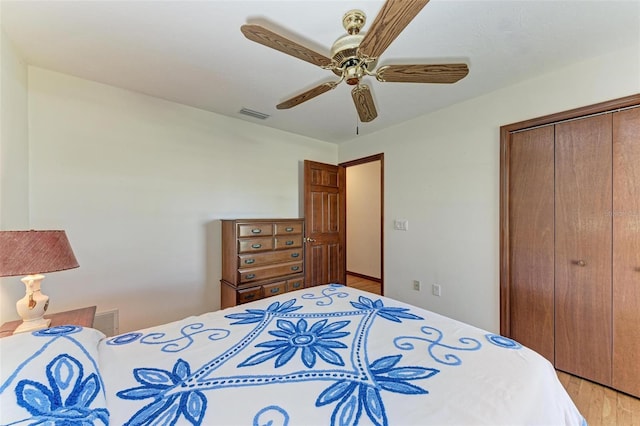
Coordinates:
x,y
626,251
324,216
531,239
583,248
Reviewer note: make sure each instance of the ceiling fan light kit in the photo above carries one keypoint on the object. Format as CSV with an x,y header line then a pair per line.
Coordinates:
x,y
355,56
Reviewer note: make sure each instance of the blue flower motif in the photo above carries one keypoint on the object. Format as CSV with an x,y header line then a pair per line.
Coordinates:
x,y
355,397
68,397
387,312
256,315
165,408
319,340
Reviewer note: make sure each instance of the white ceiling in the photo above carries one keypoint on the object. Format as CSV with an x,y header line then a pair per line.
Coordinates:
x,y
193,52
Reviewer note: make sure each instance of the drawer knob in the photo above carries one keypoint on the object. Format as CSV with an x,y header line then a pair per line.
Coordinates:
x,y
256,231
289,243
288,229
256,246
295,268
275,290
250,276
295,285
294,255
249,261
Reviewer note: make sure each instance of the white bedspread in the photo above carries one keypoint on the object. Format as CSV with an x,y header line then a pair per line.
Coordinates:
x,y
318,356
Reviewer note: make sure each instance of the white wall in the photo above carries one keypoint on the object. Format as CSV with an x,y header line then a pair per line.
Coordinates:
x,y
140,184
14,159
363,219
442,175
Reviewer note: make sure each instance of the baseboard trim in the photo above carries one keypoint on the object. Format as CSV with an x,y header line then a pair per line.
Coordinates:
x,y
366,277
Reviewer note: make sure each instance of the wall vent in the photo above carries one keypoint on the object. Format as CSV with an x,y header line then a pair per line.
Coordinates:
x,y
107,322
254,114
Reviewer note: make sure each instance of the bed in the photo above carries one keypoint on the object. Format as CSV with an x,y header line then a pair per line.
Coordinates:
x,y
318,356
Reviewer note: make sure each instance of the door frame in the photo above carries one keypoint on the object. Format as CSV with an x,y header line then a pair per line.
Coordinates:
x,y
356,162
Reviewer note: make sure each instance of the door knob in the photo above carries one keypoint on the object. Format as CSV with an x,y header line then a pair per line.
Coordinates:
x,y
581,263
309,240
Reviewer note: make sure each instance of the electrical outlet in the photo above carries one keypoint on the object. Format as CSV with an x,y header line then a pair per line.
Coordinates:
x,y
435,289
416,285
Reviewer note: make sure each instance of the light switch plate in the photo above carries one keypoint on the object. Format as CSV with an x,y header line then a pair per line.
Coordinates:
x,y
401,225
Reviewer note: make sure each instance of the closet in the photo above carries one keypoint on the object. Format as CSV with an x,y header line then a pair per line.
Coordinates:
x,y
570,240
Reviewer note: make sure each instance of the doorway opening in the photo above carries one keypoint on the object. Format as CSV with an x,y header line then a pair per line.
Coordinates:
x,y
364,244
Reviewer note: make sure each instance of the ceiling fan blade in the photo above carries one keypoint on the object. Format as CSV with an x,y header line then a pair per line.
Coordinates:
x,y
442,73
363,100
394,16
309,94
270,39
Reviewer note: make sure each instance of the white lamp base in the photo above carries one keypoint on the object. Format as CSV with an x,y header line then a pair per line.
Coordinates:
x,y
32,306
33,325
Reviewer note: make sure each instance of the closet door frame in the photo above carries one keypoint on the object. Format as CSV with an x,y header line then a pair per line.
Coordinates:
x,y
505,151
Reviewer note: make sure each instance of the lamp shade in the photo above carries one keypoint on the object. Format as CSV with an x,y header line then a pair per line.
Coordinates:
x,y
34,252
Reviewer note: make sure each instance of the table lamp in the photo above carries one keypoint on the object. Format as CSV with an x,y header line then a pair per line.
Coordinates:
x,y
33,253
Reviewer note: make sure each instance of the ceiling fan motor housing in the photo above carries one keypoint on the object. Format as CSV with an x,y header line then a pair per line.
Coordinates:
x,y
345,50
345,53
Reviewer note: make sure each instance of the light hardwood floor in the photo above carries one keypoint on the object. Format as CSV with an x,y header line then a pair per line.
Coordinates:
x,y
599,405
363,284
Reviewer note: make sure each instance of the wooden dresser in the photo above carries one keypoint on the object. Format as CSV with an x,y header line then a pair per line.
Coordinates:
x,y
260,258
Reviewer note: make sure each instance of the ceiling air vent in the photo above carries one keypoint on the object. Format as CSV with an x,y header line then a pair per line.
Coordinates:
x,y
254,114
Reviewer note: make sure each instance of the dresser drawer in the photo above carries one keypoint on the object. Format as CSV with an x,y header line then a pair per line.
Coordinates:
x,y
287,241
249,294
275,288
259,259
248,275
254,229
295,284
247,245
287,228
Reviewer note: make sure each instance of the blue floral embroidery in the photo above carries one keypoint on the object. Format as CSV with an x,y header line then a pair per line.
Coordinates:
x,y
68,397
175,344
355,389
470,344
124,339
354,397
318,340
503,342
386,312
251,316
268,416
60,330
327,295
167,407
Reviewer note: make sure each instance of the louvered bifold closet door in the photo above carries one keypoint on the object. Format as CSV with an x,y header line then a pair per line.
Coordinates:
x,y
626,251
531,234
583,203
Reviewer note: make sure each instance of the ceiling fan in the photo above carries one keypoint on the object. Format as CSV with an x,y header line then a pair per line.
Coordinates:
x,y
355,55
